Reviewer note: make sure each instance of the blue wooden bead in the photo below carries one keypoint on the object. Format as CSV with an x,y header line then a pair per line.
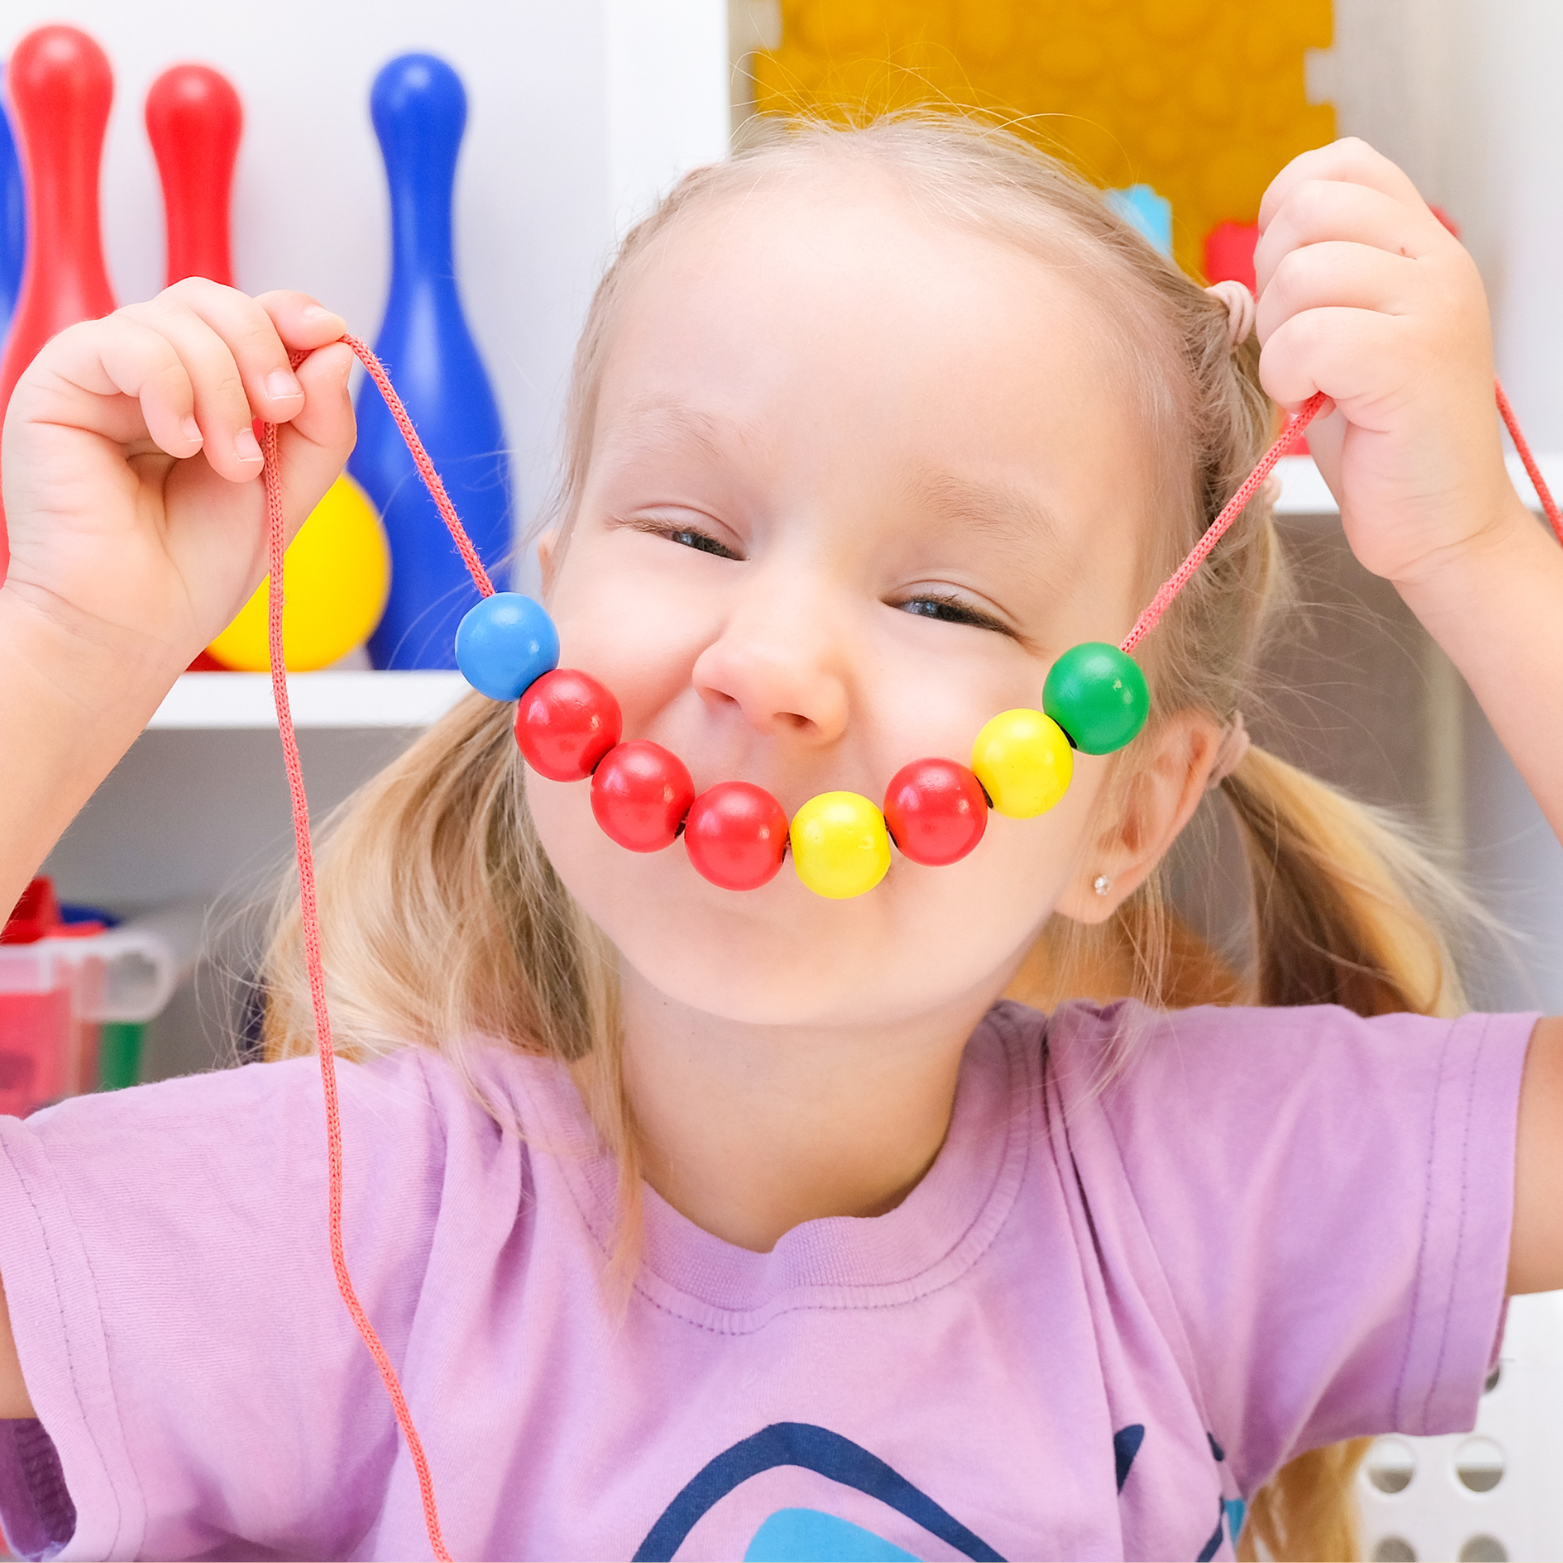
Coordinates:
x,y
505,644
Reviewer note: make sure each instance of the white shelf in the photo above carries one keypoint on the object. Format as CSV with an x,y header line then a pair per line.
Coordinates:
x,y
1304,492
207,701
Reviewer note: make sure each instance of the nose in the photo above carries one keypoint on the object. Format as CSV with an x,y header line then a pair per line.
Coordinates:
x,y
779,663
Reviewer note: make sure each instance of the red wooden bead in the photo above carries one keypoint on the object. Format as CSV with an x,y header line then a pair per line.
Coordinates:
x,y
736,834
640,795
936,811
565,723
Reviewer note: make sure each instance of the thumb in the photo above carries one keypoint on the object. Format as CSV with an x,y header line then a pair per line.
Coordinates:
x,y
1325,437
313,447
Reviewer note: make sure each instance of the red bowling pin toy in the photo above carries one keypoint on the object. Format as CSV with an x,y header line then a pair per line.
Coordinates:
x,y
193,122
60,88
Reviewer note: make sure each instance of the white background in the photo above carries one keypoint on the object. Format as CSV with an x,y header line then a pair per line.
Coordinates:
x,y
1463,93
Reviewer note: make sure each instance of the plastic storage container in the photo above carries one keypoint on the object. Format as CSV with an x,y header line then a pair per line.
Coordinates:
x,y
50,992
66,989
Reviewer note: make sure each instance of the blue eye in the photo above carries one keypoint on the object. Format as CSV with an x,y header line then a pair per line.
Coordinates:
x,y
690,538
951,610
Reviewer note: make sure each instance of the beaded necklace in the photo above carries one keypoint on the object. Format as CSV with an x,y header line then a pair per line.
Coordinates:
x,y
568,728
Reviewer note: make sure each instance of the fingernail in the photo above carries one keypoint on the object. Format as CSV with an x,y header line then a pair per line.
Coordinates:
x,y
281,386
246,447
313,312
191,430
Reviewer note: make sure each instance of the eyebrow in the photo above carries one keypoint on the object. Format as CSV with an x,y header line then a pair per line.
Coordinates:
x,y
1004,514
658,422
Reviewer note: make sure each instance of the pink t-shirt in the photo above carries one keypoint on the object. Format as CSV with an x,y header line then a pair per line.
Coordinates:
x,y
1098,1323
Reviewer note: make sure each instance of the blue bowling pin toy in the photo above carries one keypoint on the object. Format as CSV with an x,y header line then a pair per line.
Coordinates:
x,y
420,111
13,222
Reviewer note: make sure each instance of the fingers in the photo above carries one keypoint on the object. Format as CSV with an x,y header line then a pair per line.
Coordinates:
x,y
1352,276
121,356
1340,351
237,366
302,322
313,447
1348,161
1362,291
190,370
1318,210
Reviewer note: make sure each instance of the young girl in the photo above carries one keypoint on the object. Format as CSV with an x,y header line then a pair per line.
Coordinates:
x,y
702,1223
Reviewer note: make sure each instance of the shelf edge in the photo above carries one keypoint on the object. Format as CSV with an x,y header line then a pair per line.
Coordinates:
x,y
204,702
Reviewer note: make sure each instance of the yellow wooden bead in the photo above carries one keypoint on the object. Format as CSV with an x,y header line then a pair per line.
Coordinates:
x,y
1024,761
840,846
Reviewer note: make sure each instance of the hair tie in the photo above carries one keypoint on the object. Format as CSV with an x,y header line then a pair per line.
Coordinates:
x,y
1234,745
1242,309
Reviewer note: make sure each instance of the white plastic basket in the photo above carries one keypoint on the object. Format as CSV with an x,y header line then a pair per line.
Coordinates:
x,y
1494,1493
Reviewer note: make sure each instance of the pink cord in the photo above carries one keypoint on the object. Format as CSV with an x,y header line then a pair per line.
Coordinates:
x,y
1217,528
1234,506
1522,445
308,911
431,479
306,866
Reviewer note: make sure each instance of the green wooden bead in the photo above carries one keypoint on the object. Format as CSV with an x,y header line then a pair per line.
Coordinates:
x,y
1097,694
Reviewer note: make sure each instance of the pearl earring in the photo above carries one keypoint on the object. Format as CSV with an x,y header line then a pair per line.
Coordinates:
x,y
1100,884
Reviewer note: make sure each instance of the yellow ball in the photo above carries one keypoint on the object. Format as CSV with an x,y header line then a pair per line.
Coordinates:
x,y
840,846
337,579
1024,761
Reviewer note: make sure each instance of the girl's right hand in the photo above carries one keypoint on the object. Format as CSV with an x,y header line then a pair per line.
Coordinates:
x,y
132,489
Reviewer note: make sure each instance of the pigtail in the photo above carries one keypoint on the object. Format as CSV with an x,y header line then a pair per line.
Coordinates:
x,y
1347,911
1308,1509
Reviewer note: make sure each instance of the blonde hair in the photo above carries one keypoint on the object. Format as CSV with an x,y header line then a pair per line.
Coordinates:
x,y
443,921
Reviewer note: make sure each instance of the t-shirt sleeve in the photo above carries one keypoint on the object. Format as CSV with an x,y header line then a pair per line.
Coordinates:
x,y
200,1388
1324,1205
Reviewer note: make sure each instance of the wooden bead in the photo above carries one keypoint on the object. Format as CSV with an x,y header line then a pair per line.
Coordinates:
x,y
566,722
640,795
840,847
505,644
1024,762
1097,694
935,811
736,835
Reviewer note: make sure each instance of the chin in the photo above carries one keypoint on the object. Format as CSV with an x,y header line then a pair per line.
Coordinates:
x,y
778,956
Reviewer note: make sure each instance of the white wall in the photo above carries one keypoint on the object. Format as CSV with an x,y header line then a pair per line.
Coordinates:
x,y
1463,94
1505,171
579,111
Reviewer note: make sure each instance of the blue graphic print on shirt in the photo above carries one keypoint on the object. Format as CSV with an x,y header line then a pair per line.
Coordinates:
x,y
814,1449
808,1536
800,1535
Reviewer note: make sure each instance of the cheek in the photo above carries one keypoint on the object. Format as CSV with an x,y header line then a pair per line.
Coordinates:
x,y
625,628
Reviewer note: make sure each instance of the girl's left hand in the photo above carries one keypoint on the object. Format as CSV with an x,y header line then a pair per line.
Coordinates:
x,y
1366,296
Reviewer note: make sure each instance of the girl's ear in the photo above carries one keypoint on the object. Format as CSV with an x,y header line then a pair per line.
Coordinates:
x,y
1159,800
546,545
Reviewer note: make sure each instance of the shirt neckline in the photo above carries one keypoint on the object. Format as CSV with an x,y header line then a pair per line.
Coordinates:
x,y
933,1236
